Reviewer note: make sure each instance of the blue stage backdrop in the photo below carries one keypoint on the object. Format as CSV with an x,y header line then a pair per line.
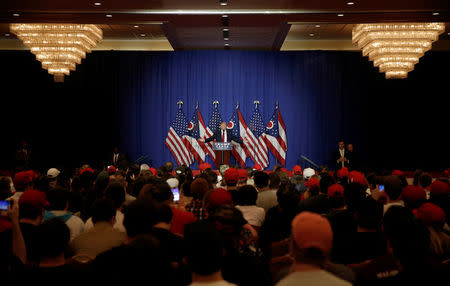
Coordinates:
x,y
130,98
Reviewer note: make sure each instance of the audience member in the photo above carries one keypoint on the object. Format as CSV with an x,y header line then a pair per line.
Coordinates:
x,y
312,239
58,199
393,190
102,236
246,203
199,187
267,196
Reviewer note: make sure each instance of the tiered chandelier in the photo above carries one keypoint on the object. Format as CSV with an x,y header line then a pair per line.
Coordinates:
x,y
396,47
59,47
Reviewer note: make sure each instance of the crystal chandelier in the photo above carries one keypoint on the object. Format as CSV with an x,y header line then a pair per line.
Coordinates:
x,y
396,47
59,47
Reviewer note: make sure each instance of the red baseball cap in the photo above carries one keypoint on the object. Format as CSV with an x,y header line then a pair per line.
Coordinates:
x,y
220,197
257,167
357,177
23,179
242,174
336,191
202,167
312,182
430,214
297,170
412,194
34,198
86,170
310,230
343,172
397,173
439,188
153,170
231,176
111,169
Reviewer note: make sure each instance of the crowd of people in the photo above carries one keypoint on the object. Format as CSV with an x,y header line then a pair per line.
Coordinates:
x,y
176,226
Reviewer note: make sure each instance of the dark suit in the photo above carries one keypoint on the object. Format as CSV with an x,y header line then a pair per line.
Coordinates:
x,y
121,161
217,136
337,156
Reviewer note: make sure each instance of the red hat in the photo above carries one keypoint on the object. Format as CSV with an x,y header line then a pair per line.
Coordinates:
x,y
310,230
257,167
242,174
202,167
153,170
23,179
86,170
397,173
231,176
357,177
220,197
284,170
439,188
412,194
430,214
297,170
111,169
336,191
34,198
312,182
343,172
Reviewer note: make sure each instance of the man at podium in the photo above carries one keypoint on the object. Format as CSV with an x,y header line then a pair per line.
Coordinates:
x,y
223,135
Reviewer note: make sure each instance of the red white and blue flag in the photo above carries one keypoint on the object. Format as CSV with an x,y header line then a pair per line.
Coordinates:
x,y
193,134
275,136
174,140
256,146
235,126
205,132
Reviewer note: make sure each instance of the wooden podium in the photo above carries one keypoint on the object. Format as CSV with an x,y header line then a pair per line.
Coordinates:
x,y
223,153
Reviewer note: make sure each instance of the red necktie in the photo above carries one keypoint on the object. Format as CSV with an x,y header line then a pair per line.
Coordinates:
x,y
223,136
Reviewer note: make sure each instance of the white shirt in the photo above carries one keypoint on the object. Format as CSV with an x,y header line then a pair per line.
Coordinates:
x,y
116,157
224,135
388,205
216,283
316,278
253,215
74,223
118,223
342,152
267,199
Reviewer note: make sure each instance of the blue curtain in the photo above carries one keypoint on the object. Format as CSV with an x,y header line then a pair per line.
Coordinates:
x,y
130,98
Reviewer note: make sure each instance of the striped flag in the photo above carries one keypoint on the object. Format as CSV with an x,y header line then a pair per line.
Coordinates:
x,y
256,146
213,125
235,127
275,136
192,135
174,141
205,132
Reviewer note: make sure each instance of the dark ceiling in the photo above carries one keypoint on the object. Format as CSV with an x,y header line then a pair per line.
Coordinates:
x,y
198,24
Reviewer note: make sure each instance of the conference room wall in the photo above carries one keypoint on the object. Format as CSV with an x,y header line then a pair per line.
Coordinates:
x,y
130,99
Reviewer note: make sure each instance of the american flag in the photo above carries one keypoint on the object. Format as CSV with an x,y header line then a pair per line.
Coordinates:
x,y
215,120
193,134
235,127
276,136
255,134
178,129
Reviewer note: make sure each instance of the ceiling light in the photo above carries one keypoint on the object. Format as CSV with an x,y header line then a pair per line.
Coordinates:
x,y
225,20
7,35
136,26
340,15
108,15
224,16
16,15
142,35
227,44
435,13
312,35
226,39
223,2
225,29
97,3
350,3
59,47
317,26
396,47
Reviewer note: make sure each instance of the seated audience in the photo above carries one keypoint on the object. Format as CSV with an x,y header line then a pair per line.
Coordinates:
x,y
267,196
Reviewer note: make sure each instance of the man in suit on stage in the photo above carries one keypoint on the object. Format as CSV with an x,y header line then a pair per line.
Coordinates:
x,y
340,156
117,159
223,135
